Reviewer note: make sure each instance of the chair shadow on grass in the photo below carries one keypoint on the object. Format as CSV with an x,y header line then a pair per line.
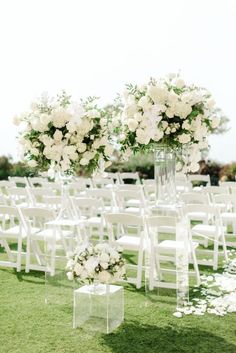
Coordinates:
x,y
133,337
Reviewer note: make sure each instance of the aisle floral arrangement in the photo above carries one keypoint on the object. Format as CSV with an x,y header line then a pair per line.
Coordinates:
x,y
101,263
61,135
168,112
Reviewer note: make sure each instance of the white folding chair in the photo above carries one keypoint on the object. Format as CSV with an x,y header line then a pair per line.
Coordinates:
x,y
134,177
128,231
91,210
200,198
37,235
38,195
212,231
131,201
36,181
106,195
199,179
166,250
20,197
227,206
102,183
19,181
12,230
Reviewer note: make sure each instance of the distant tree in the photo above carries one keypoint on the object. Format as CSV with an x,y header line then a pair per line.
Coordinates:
x,y
5,167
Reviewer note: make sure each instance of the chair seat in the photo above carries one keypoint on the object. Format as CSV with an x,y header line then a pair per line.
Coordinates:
x,y
133,202
206,229
12,233
47,234
95,221
198,216
175,245
129,242
228,216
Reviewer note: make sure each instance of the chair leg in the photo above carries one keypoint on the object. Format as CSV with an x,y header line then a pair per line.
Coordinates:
x,y
195,265
19,251
27,262
224,247
139,270
215,255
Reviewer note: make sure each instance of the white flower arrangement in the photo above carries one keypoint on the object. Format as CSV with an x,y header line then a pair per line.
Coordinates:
x,y
101,263
169,112
60,135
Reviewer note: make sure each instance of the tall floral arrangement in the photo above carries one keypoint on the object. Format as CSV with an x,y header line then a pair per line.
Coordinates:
x,y
61,135
170,112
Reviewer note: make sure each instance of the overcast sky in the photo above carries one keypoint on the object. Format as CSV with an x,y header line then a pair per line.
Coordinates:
x,y
94,47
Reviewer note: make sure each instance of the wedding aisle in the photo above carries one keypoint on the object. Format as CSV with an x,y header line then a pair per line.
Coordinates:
x,y
28,325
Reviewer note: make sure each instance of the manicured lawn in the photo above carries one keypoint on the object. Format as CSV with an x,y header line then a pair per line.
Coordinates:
x,y
28,325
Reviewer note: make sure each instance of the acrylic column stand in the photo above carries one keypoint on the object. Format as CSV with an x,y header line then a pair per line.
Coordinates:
x,y
98,307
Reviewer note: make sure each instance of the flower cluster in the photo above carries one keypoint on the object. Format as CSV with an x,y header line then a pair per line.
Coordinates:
x,y
169,112
230,265
61,135
100,262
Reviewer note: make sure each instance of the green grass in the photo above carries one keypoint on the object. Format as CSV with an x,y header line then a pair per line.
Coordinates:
x,y
28,325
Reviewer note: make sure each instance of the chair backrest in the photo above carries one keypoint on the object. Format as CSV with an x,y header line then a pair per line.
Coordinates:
x,y
10,217
228,183
83,181
124,198
19,195
195,198
134,177
119,224
107,196
199,178
134,187
37,216
226,202
114,176
217,189
76,187
52,202
37,181
181,177
38,194
149,182
19,181
157,225
102,182
212,212
87,207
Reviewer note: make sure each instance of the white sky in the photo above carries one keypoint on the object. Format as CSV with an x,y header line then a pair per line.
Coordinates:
x,y
94,47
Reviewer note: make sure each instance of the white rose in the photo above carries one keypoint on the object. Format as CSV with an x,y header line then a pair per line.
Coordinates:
x,y
186,125
179,83
109,150
194,167
78,269
84,161
91,264
184,138
132,124
215,122
16,120
45,119
70,276
81,147
104,265
104,257
144,103
158,135
104,276
60,117
158,93
34,151
57,135
37,125
142,137
32,163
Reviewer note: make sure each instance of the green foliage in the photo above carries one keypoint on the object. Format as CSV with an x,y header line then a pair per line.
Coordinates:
x,y
8,168
228,172
5,167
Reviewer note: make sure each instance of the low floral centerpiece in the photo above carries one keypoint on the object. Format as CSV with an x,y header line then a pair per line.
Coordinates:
x,y
96,263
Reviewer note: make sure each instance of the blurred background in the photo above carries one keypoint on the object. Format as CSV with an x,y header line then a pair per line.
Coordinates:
x,y
95,47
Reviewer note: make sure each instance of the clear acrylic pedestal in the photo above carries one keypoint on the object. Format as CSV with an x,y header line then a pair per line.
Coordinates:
x,y
98,307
